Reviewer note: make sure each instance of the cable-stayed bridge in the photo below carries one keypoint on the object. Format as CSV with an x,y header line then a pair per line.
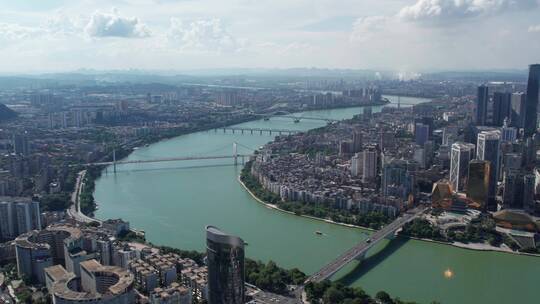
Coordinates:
x,y
234,156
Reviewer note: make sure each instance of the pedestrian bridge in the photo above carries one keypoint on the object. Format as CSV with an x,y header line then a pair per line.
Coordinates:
x,y
359,251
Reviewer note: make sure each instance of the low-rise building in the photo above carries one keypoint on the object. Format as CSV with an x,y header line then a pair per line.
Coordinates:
x,y
97,284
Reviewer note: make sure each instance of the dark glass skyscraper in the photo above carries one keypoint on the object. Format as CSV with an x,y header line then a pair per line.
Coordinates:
x,y
517,109
531,108
482,105
501,107
488,148
225,267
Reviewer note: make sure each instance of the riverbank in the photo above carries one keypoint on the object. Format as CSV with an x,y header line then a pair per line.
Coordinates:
x,y
153,140
476,247
470,246
275,207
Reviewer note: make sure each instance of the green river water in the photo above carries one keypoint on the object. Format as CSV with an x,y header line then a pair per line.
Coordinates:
x,y
173,202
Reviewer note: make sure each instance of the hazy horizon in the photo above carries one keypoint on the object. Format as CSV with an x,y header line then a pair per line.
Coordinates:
x,y
165,35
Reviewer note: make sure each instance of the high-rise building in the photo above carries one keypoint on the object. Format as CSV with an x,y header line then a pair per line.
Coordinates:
x,y
533,90
421,133
482,99
529,154
478,182
228,98
488,148
356,142
517,115
399,179
529,181
508,134
461,154
20,144
387,140
513,189
369,161
18,217
28,216
357,164
225,267
512,161
501,107
429,149
450,135
419,156
7,228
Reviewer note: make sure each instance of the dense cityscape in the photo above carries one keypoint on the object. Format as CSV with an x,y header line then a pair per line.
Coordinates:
x,y
469,161
261,152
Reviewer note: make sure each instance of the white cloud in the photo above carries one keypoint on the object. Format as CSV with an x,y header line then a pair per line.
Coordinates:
x,y
364,28
203,35
534,28
61,23
114,25
400,34
11,32
296,48
445,10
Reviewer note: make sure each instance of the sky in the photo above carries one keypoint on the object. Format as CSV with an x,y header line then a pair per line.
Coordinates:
x,y
397,35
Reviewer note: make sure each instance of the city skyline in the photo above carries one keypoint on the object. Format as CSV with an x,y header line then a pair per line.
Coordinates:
x,y
407,36
269,151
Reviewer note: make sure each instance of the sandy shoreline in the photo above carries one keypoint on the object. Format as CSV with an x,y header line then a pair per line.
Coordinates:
x,y
472,246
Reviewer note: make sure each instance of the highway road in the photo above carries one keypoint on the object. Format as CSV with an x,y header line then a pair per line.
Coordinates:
x,y
74,210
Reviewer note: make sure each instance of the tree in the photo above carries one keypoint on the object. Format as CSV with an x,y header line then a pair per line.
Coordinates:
x,y
384,297
333,295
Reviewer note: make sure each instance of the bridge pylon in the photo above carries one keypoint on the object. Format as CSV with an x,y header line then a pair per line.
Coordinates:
x,y
114,160
235,153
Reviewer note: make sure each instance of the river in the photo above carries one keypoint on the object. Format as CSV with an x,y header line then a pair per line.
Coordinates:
x,y
173,202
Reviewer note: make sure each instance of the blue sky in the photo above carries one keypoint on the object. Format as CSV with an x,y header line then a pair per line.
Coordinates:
x,y
401,35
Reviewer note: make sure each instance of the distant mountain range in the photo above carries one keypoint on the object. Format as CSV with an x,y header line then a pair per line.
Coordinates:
x,y
6,113
88,77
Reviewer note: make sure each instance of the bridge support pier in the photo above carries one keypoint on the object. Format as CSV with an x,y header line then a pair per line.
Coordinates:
x,y
391,236
361,257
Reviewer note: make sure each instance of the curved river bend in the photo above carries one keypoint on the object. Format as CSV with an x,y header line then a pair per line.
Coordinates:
x,y
173,202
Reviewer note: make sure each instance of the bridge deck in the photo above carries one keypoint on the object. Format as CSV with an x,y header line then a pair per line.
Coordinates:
x,y
360,249
298,117
171,159
260,130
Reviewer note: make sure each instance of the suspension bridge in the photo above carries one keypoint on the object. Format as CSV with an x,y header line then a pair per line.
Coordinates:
x,y
234,156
